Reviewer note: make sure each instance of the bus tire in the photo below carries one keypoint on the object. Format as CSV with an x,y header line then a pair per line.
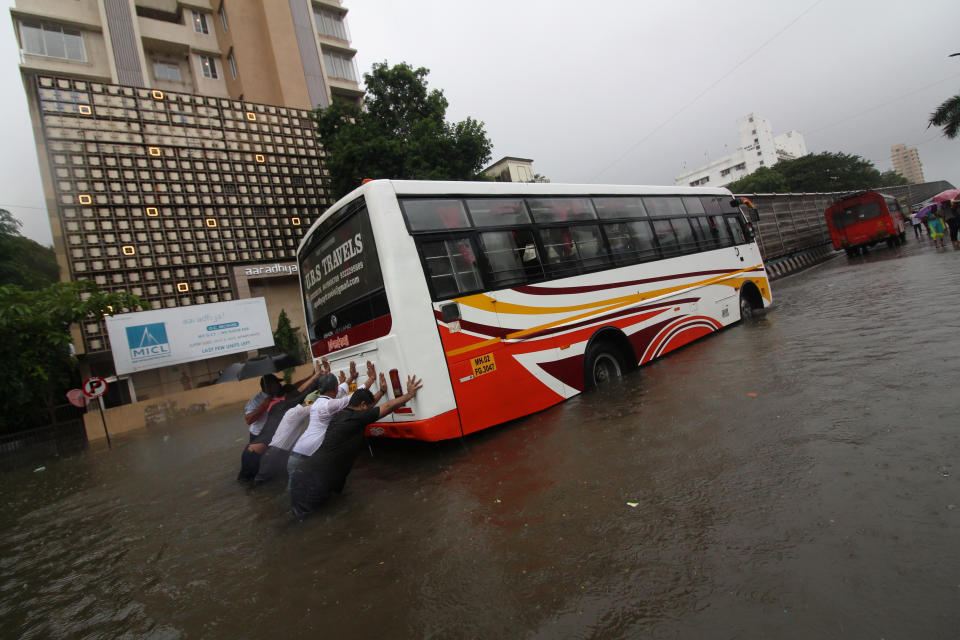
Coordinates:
x,y
603,364
750,301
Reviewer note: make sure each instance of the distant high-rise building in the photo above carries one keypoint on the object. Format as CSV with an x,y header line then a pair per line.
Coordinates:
x,y
906,162
758,148
177,155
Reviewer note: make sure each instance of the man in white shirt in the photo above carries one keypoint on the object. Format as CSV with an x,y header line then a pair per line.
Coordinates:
x,y
255,412
332,399
274,461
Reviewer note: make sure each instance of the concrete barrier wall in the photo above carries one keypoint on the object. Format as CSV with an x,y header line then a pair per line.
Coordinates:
x,y
160,410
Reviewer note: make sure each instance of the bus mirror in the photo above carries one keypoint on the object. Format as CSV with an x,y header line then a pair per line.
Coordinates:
x,y
450,312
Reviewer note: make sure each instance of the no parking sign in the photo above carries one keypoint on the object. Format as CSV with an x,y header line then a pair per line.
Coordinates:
x,y
94,387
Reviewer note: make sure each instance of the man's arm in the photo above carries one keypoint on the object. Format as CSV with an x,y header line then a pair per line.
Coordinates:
x,y
413,385
304,384
254,415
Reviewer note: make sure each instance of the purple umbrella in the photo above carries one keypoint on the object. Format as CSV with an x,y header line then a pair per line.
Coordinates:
x,y
923,213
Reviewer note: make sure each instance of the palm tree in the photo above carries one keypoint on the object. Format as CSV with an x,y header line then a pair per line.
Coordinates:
x,y
947,116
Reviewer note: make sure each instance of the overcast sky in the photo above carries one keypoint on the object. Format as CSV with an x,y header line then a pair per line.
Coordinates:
x,y
636,91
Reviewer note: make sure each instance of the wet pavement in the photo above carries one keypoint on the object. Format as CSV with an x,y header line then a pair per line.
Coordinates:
x,y
795,477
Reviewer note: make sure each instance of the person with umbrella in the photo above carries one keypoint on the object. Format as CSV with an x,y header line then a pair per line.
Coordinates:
x,y
951,215
936,226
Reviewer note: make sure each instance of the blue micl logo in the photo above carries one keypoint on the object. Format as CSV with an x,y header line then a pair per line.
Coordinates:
x,y
148,341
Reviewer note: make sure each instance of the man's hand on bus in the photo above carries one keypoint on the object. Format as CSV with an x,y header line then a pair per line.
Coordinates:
x,y
383,383
371,375
324,365
413,385
354,374
342,377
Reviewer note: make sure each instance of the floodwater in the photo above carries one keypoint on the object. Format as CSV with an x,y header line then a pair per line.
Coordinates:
x,y
795,477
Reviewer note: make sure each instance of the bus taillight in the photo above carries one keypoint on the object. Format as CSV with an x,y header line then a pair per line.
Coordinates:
x,y
395,382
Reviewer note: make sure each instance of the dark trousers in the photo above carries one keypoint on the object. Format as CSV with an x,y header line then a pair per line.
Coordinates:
x,y
272,465
249,465
916,230
307,492
954,225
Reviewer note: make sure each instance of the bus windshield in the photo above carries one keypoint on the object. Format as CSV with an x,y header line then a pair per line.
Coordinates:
x,y
856,213
342,283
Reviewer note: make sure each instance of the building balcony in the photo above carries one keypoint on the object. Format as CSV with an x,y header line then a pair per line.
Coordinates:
x,y
171,36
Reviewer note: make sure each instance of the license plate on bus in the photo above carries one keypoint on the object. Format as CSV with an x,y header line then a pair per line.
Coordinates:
x,y
483,364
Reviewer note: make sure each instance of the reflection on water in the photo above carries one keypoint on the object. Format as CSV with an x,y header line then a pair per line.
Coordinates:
x,y
791,478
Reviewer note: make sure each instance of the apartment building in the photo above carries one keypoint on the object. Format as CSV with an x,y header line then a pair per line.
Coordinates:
x,y
758,147
906,162
177,154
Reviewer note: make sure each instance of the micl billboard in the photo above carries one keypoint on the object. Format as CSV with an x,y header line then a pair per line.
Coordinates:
x,y
151,339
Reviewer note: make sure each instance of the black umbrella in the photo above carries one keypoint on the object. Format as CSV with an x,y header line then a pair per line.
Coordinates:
x,y
257,367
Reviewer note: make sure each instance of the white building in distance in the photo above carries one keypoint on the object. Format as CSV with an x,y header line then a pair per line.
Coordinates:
x,y
758,148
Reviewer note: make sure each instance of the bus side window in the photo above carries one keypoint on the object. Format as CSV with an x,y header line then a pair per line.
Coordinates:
x,y
512,257
451,266
631,242
736,228
428,215
590,246
716,229
561,253
686,234
667,237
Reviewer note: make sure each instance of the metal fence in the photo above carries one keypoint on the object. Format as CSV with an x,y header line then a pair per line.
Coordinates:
x,y
35,446
793,222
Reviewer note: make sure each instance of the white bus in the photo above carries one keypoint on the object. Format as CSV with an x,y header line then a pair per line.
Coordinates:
x,y
507,298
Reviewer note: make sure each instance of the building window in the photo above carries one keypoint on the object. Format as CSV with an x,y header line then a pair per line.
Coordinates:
x,y
725,172
166,71
339,66
222,11
200,22
330,23
209,67
52,40
703,180
233,65
740,167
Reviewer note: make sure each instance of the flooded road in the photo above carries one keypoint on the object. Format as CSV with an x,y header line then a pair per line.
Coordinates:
x,y
792,478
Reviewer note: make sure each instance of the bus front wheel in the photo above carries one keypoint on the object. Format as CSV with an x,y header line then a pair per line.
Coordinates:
x,y
603,365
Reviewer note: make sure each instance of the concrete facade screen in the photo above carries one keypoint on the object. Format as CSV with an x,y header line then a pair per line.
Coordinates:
x,y
153,339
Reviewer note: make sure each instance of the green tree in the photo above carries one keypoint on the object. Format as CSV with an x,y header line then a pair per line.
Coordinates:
x,y
35,345
813,173
763,180
400,132
288,340
892,179
947,116
24,262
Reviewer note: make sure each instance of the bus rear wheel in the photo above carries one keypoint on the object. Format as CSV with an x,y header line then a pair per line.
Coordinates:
x,y
604,365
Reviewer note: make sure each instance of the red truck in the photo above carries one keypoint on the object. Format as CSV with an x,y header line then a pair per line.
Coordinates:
x,y
859,221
